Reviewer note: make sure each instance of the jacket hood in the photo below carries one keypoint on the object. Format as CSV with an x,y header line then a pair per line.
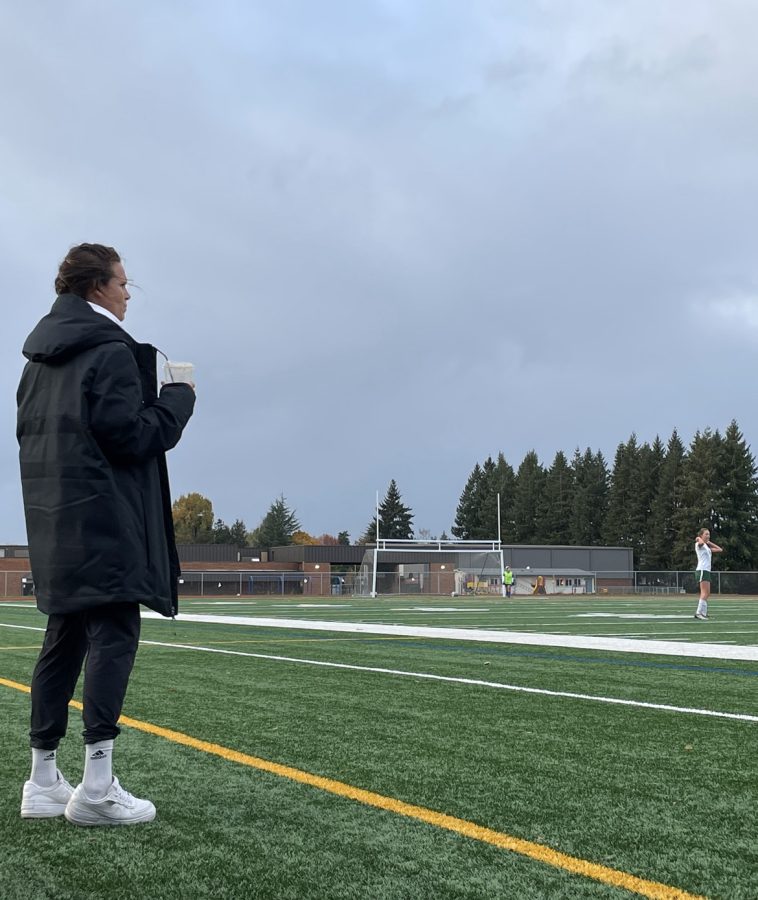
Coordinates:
x,y
71,327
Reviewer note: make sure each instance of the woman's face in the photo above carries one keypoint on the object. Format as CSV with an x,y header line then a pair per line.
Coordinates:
x,y
706,535
114,294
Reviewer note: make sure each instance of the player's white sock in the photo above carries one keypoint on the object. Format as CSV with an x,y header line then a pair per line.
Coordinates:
x,y
702,608
98,769
44,767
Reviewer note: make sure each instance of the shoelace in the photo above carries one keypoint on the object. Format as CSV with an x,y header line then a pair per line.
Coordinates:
x,y
122,796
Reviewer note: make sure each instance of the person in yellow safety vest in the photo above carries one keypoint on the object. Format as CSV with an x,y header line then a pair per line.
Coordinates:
x,y
508,581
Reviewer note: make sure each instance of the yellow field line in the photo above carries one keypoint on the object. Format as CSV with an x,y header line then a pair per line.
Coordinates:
x,y
654,890
21,687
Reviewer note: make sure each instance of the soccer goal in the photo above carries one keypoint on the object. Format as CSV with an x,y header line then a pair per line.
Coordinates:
x,y
431,568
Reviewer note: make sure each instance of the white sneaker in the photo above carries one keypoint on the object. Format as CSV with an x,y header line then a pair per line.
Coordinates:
x,y
117,807
45,802
700,616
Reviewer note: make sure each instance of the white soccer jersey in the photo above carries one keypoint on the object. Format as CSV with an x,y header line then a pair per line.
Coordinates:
x,y
704,555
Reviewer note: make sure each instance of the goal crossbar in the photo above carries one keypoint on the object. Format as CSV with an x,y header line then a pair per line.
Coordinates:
x,y
409,545
431,548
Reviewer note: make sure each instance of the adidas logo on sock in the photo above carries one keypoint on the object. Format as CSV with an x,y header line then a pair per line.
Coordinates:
x,y
98,754
50,756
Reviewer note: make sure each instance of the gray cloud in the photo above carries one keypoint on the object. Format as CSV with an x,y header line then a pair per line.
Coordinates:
x,y
394,238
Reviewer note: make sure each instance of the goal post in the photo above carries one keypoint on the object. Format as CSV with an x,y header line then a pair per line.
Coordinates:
x,y
457,567
474,563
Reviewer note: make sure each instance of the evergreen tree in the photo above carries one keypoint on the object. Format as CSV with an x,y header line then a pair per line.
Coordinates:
x,y
220,533
395,518
590,497
581,513
633,486
504,483
530,480
618,529
343,537
554,517
738,503
238,533
701,488
486,527
646,478
466,525
665,507
654,500
278,526
223,534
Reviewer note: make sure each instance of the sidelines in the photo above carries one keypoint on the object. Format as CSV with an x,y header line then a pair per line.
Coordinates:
x,y
654,890
579,641
619,701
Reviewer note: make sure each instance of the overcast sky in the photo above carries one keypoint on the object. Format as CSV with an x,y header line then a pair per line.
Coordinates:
x,y
394,237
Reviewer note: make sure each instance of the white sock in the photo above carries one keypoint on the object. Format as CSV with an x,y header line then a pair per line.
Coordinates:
x,y
44,767
702,608
98,769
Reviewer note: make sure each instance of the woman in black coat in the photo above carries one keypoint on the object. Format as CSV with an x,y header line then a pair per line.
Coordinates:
x,y
93,432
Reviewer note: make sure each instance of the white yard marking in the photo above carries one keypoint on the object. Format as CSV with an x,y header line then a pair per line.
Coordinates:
x,y
618,701
325,605
219,602
435,609
311,605
607,615
482,635
629,634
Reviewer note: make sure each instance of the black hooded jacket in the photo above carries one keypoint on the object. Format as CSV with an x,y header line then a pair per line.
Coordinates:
x,y
93,434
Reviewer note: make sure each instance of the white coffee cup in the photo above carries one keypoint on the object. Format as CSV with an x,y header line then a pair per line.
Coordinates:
x,y
178,372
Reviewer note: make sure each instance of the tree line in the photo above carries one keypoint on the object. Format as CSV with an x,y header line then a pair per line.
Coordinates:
x,y
194,523
653,499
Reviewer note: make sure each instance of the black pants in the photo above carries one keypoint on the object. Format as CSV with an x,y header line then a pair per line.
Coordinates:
x,y
107,637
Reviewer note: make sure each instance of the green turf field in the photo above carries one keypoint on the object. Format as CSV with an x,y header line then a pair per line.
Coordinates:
x,y
301,761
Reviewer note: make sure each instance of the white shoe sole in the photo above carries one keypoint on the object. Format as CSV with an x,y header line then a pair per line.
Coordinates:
x,y
48,811
87,818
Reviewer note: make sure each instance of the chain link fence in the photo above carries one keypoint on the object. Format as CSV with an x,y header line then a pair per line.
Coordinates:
x,y
236,583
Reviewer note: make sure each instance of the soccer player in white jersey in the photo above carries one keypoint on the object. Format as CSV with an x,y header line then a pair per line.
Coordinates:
x,y
704,548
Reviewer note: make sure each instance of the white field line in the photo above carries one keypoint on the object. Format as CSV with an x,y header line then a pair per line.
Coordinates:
x,y
647,616
529,623
640,704
577,641
610,642
741,717
700,631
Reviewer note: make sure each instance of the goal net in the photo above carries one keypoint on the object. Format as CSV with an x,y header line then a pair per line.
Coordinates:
x,y
431,568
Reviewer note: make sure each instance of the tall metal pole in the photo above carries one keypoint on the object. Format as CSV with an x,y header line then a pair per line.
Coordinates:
x,y
376,549
500,544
